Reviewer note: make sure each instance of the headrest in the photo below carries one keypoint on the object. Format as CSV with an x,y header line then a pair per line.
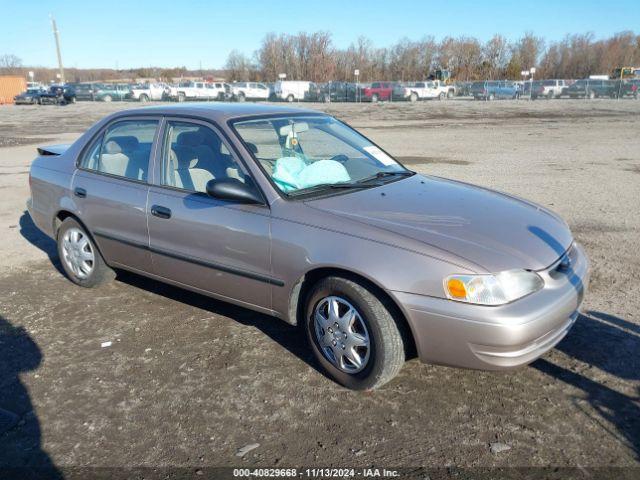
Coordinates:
x,y
125,143
252,147
111,148
190,139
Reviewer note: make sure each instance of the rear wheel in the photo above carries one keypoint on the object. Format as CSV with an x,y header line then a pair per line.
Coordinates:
x,y
591,95
450,94
326,98
290,98
374,98
144,98
551,95
240,97
413,97
442,96
352,334
81,260
491,97
107,98
181,96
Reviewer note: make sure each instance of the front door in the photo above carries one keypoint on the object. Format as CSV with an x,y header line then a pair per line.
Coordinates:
x,y
216,246
110,188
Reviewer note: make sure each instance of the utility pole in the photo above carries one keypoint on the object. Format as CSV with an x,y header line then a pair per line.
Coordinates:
x,y
55,35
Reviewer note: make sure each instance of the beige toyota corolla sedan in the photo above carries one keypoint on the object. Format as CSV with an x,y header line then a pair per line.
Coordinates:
x,y
292,213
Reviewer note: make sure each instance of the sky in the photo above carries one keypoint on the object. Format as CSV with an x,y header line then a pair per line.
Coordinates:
x,y
195,34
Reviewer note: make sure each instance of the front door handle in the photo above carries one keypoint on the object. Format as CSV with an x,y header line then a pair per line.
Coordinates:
x,y
80,192
160,211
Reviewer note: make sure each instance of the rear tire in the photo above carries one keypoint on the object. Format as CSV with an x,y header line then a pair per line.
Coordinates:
x,y
491,97
181,97
442,96
144,98
413,97
372,324
290,98
107,98
591,95
240,97
374,98
74,245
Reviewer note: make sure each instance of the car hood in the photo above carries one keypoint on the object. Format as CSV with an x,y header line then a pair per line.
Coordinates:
x,y
490,229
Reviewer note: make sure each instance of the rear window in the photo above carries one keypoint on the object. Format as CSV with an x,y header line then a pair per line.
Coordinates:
x,y
123,150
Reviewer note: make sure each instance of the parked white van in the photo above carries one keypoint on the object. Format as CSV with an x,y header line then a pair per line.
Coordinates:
x,y
291,90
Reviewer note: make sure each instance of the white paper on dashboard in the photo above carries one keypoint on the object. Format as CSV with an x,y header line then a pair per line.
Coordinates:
x,y
380,155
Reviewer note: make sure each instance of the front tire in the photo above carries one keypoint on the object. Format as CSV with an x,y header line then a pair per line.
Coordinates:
x,y
107,98
374,98
290,98
144,98
352,334
82,262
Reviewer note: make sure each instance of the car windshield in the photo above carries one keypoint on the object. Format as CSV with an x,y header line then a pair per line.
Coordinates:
x,y
305,154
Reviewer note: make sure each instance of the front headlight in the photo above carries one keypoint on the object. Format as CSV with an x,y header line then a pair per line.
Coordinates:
x,y
492,289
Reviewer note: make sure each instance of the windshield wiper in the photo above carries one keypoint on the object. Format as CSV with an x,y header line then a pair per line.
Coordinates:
x,y
330,186
402,173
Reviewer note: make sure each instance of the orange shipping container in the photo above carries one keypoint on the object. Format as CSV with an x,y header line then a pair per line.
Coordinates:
x,y
10,86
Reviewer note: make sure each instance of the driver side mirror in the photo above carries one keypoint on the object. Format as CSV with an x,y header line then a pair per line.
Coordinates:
x,y
234,190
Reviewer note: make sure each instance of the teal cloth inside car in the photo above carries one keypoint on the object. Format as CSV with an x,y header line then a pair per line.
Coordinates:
x,y
292,173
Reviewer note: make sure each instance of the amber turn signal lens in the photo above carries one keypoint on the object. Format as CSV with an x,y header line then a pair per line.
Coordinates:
x,y
456,288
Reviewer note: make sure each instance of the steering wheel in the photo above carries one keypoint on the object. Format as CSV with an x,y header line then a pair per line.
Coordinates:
x,y
342,158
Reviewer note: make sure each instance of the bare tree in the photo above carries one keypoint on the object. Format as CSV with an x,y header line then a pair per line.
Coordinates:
x,y
10,64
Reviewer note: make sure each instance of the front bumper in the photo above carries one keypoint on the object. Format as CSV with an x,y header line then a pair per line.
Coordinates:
x,y
504,337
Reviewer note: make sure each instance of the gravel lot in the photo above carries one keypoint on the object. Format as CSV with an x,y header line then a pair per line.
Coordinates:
x,y
188,381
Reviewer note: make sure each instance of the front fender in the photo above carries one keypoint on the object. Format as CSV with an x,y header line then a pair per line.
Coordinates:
x,y
299,248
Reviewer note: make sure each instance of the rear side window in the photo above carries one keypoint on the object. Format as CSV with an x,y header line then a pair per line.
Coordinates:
x,y
123,150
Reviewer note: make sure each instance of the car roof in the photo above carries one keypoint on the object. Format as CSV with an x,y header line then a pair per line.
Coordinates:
x,y
219,112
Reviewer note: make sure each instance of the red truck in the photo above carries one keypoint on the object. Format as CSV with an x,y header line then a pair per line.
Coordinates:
x,y
377,91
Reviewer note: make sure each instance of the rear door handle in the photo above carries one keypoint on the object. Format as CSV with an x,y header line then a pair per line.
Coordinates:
x,y
160,211
80,192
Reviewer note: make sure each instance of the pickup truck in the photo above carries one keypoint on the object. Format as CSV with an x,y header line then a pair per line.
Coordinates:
x,y
423,90
378,91
149,91
548,88
197,91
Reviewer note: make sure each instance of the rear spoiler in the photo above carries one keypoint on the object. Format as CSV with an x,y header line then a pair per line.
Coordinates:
x,y
53,149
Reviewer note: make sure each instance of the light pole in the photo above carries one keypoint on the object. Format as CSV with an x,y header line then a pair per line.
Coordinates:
x,y
57,38
356,73
532,70
525,74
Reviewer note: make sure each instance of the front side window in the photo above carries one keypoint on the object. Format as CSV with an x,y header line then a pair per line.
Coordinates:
x,y
123,150
303,153
193,155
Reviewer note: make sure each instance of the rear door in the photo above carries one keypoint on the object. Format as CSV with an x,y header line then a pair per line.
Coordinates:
x,y
216,246
110,188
